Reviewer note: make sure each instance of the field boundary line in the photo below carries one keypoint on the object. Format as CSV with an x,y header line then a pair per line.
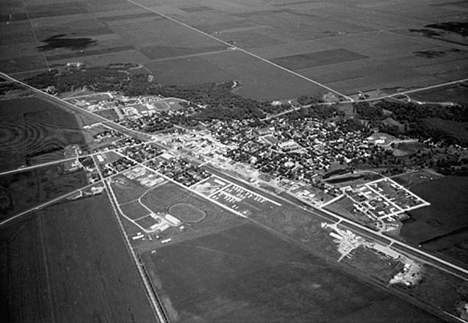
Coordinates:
x,y
195,192
58,161
65,104
431,41
163,59
314,210
242,50
108,181
157,306
415,252
430,87
40,206
46,265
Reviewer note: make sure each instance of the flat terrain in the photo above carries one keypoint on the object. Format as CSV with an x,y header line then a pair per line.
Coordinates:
x,y
452,131
455,93
127,190
362,45
442,225
68,263
24,190
187,212
25,292
246,274
33,130
71,257
198,216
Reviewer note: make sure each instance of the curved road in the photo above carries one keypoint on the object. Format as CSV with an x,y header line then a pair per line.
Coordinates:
x,y
437,262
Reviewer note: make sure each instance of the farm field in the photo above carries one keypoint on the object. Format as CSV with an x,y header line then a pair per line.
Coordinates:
x,y
247,274
229,269
364,46
445,216
25,294
27,189
33,130
452,131
68,263
450,93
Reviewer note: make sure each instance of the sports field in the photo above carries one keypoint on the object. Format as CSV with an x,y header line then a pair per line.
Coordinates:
x,y
361,46
198,216
246,274
187,212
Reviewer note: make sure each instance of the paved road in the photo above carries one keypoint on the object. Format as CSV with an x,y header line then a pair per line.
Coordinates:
x,y
388,96
455,270
241,50
415,90
348,98
424,256
377,236
57,199
153,298
53,98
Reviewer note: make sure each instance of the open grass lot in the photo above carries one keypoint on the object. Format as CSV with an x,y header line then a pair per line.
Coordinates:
x,y
134,210
441,224
246,274
146,222
68,263
30,127
437,288
108,114
361,46
299,226
24,190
